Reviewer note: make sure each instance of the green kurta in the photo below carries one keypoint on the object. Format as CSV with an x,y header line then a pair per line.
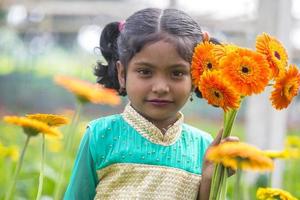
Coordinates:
x,y
124,156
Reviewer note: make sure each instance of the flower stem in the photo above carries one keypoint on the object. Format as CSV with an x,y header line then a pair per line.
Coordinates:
x,y
214,186
18,168
219,181
269,184
229,118
224,184
238,192
41,178
69,141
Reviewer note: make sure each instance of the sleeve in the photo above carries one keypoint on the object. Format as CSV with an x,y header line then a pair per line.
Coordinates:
x,y
84,177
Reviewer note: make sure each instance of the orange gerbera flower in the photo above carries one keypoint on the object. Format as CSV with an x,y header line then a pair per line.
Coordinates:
x,y
32,127
239,155
203,59
286,88
217,91
220,51
87,92
274,51
246,70
50,119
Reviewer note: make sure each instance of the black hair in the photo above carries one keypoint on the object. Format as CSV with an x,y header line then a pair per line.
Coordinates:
x,y
143,27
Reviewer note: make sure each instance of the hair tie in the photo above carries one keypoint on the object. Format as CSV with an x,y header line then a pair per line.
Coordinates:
x,y
121,25
205,36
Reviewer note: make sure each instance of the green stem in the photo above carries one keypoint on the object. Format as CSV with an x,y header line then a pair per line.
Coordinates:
x,y
69,141
18,168
215,182
238,193
224,184
229,118
41,178
219,182
269,184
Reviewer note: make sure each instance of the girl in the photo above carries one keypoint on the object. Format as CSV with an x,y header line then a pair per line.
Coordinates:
x,y
146,152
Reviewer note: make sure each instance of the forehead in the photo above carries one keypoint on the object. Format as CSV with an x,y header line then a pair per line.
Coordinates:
x,y
160,53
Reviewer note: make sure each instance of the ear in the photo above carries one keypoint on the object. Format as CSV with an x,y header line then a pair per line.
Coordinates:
x,y
121,74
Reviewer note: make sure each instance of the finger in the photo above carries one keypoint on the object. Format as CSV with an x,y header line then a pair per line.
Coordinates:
x,y
217,139
230,139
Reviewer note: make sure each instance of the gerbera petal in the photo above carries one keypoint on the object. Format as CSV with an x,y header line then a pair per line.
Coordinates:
x,y
273,193
220,51
50,119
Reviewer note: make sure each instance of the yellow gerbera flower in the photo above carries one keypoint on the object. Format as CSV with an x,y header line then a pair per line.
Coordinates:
x,y
87,92
276,154
273,194
203,59
246,70
292,146
32,127
50,119
240,155
286,88
217,91
292,141
10,151
274,52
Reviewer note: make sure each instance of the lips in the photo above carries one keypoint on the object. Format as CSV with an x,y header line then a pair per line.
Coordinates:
x,y
159,102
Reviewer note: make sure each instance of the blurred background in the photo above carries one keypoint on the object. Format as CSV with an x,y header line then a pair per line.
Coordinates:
x,y
43,38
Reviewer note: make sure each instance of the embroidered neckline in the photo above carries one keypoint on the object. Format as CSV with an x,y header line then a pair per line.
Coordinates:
x,y
149,130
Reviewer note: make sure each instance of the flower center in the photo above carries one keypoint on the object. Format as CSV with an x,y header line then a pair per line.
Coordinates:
x,y
277,55
209,65
217,94
289,91
245,69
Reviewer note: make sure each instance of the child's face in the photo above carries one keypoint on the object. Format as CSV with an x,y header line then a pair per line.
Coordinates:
x,y
158,81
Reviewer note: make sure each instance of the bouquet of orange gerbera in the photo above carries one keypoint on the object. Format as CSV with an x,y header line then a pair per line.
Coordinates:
x,y
224,74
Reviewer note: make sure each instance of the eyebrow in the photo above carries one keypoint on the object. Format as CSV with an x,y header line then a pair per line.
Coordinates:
x,y
153,66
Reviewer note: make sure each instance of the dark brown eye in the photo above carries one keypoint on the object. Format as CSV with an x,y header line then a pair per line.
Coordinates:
x,y
144,72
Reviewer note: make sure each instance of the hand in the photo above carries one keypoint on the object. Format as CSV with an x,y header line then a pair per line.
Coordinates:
x,y
208,166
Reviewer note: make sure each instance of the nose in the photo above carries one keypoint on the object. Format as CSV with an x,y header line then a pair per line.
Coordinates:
x,y
160,86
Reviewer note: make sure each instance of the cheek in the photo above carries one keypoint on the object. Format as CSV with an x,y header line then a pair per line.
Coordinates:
x,y
134,86
183,90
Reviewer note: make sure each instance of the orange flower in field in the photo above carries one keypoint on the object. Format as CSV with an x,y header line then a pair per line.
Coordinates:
x,y
32,127
274,51
217,91
203,59
248,71
50,119
239,155
87,92
286,88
